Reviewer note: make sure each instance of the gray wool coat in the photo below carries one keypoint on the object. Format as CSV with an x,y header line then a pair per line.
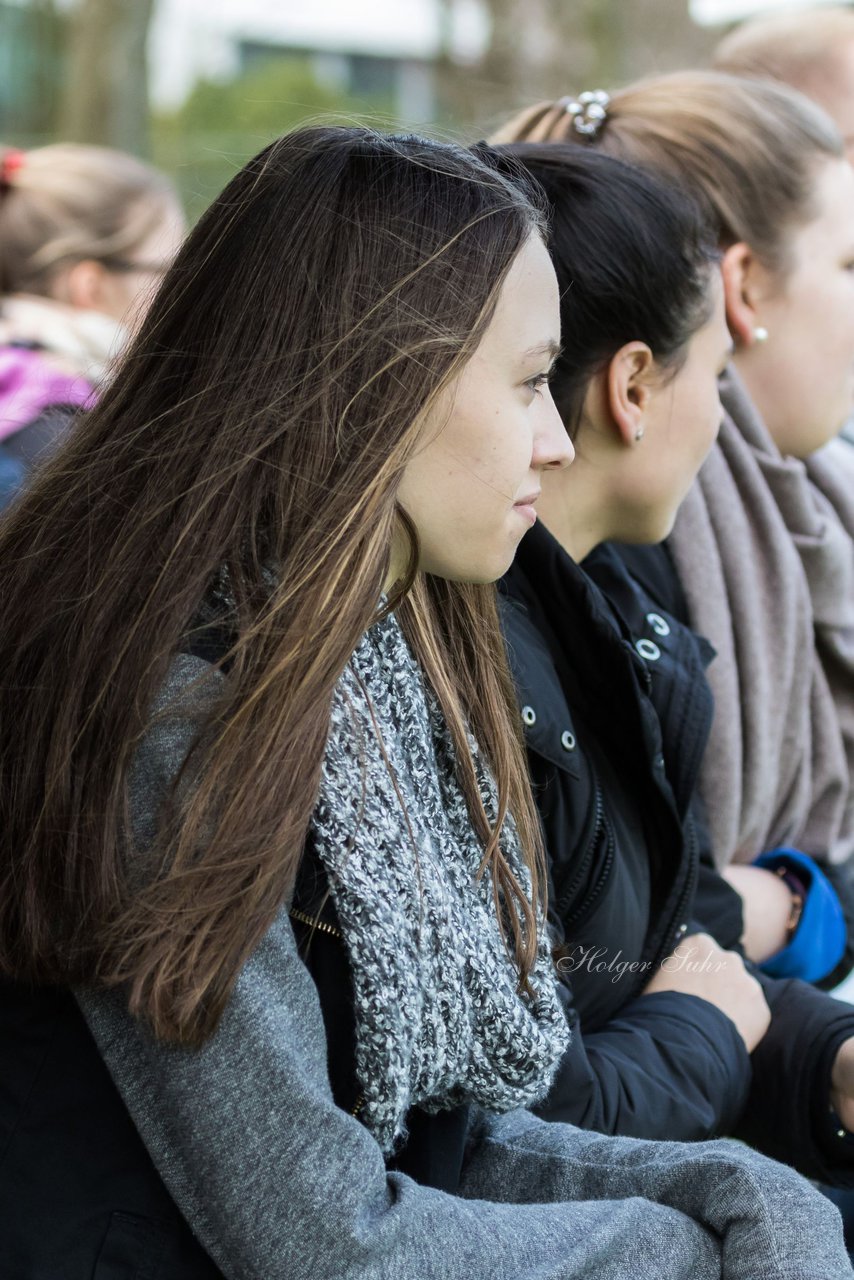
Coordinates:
x,y
280,1184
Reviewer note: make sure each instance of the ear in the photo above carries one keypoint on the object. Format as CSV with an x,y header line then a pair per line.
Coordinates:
x,y
83,285
740,270
628,386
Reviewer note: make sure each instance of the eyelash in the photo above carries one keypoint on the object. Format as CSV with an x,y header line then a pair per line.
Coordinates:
x,y
539,380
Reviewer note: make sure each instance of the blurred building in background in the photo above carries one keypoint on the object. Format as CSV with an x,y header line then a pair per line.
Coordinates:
x,y
202,84
386,51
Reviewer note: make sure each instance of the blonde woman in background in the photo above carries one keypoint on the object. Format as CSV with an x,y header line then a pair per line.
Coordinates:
x,y
85,234
811,50
761,559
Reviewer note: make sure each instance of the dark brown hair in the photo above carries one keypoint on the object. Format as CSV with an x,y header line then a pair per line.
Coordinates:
x,y
255,435
633,260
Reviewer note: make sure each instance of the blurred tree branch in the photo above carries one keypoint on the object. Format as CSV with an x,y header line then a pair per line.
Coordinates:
x,y
547,48
47,28
105,99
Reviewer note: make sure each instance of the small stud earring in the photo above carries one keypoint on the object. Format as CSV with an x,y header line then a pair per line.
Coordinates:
x,y
760,334
639,433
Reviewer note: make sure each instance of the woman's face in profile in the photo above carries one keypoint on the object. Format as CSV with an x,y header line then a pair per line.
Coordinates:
x,y
472,486
802,377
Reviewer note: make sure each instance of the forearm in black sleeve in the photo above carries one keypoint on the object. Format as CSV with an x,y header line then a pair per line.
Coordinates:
x,y
669,1066
787,1112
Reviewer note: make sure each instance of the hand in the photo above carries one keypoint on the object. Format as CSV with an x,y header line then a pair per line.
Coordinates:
x,y
699,967
767,906
842,1084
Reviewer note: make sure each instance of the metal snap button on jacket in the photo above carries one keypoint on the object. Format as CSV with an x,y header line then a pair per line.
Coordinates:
x,y
648,649
659,625
529,715
567,740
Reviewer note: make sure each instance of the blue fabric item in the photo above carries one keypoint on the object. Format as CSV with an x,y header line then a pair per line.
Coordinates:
x,y
820,937
12,475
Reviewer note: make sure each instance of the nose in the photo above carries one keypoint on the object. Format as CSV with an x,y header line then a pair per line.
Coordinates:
x,y
553,448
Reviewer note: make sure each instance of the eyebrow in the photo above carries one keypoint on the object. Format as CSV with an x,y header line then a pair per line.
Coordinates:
x,y
550,348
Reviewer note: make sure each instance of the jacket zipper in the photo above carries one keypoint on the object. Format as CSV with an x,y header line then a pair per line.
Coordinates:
x,y
677,931
600,829
314,922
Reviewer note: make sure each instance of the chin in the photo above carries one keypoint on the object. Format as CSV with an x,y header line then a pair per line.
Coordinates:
x,y
479,575
485,566
649,533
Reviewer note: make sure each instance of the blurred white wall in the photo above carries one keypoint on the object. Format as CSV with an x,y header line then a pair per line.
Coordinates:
x,y
194,38
710,12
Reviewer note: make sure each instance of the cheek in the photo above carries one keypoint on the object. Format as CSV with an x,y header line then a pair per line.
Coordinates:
x,y
700,421
492,449
823,325
823,363
712,418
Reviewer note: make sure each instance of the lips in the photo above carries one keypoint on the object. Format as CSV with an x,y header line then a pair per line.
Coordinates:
x,y
525,506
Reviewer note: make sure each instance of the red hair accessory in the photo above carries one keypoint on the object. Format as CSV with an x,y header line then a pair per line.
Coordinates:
x,y
10,163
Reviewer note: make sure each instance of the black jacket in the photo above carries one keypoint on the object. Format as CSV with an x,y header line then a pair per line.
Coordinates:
x,y
653,571
79,1192
616,712
80,1195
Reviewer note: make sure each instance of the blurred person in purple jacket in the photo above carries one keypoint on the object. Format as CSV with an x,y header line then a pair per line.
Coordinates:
x,y
85,234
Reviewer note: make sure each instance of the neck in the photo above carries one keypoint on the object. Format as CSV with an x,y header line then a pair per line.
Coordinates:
x,y
574,510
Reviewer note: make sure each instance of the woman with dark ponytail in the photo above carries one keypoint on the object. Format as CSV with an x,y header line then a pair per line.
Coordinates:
x,y
760,559
675,1038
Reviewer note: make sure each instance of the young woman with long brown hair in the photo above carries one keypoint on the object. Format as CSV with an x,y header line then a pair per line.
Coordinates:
x,y
259,763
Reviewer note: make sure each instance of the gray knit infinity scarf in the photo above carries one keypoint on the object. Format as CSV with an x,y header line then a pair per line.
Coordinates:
x,y
438,1018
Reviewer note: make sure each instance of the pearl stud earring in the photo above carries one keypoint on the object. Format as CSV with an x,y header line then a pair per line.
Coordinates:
x,y
760,334
639,433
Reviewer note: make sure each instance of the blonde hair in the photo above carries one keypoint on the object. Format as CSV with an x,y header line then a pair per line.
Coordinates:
x,y
65,203
799,49
746,150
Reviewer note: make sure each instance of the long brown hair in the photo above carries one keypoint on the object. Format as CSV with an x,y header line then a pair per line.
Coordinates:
x,y
255,435
745,150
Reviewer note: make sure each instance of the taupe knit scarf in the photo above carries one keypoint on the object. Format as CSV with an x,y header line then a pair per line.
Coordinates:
x,y
764,549
438,1018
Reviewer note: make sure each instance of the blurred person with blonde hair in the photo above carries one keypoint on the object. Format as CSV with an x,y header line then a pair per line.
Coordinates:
x,y
760,560
85,234
810,49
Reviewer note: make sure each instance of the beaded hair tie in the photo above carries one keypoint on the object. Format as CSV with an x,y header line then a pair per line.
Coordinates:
x,y
588,111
